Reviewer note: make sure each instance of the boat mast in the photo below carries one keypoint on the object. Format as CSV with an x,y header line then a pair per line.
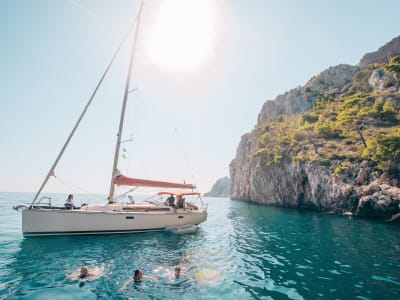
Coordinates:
x,y
121,120
51,171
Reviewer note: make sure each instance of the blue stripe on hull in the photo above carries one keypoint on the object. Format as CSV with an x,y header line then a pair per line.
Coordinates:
x,y
52,233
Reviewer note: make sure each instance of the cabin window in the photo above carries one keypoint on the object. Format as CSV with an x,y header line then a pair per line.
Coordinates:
x,y
130,217
180,217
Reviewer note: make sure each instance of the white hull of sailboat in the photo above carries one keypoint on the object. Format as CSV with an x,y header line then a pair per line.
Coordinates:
x,y
49,222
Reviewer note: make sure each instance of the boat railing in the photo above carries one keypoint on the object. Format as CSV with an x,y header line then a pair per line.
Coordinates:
x,y
197,204
45,198
190,203
41,202
32,205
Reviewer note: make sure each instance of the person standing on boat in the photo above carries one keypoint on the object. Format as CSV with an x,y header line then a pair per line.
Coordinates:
x,y
69,203
171,200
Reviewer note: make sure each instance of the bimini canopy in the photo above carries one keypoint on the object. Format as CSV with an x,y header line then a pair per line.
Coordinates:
x,y
178,193
123,180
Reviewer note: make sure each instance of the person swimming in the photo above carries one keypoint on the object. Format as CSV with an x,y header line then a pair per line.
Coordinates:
x,y
136,278
203,277
177,272
86,274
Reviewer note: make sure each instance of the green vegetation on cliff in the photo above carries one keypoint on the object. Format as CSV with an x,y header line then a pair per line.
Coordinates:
x,y
393,68
354,124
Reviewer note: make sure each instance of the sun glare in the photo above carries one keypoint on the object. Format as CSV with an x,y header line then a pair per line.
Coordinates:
x,y
183,35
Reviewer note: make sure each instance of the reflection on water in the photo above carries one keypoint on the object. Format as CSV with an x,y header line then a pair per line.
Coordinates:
x,y
242,251
300,255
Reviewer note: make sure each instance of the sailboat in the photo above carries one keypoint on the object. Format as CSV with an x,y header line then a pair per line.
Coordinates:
x,y
41,218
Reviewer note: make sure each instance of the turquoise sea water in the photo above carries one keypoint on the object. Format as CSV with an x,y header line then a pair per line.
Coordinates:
x,y
251,252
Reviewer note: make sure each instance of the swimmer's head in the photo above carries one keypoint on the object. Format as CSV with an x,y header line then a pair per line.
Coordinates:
x,y
177,272
84,271
138,275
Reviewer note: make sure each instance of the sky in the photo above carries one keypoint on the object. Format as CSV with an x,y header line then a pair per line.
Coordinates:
x,y
202,71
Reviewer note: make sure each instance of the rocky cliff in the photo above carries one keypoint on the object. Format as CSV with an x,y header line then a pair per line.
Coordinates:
x,y
221,188
383,54
332,145
303,98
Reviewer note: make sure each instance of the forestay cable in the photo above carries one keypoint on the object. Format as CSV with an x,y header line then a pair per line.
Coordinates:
x,y
51,171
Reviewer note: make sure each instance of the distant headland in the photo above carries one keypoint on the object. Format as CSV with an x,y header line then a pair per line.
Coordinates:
x,y
221,188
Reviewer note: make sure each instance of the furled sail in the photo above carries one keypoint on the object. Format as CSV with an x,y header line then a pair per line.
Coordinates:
x,y
123,180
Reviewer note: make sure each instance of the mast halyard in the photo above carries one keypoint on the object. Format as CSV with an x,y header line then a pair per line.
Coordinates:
x,y
122,117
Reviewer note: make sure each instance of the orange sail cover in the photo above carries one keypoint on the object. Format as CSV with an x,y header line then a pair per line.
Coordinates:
x,y
123,180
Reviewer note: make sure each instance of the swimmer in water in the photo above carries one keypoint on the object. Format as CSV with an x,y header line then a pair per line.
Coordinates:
x,y
86,275
84,272
177,272
136,278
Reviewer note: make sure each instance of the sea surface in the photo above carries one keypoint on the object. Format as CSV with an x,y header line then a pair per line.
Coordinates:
x,y
242,251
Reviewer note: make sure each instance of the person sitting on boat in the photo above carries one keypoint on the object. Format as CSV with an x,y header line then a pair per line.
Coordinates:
x,y
181,201
69,203
171,200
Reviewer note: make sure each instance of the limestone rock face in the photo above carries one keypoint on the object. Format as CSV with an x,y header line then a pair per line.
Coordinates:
x,y
361,190
383,54
316,187
303,98
382,203
241,167
380,80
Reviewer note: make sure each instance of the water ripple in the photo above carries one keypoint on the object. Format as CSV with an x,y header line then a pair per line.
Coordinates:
x,y
248,252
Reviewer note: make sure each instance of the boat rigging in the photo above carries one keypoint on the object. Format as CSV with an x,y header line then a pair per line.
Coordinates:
x,y
44,219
